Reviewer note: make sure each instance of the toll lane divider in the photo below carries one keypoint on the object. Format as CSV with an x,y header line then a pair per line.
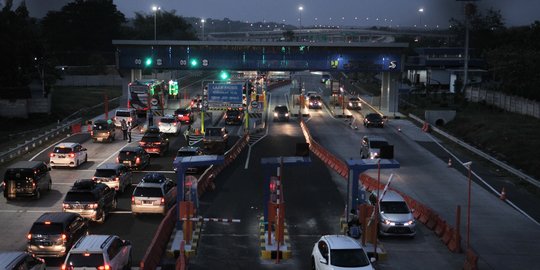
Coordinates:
x,y
449,236
157,247
181,262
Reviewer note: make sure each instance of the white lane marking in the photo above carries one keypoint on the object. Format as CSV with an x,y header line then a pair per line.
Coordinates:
x,y
51,145
246,166
484,182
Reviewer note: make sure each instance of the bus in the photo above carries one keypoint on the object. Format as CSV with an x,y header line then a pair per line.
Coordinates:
x,y
148,94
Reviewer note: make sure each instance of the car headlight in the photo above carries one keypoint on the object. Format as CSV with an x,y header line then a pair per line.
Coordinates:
x,y
287,115
373,155
409,223
275,114
388,222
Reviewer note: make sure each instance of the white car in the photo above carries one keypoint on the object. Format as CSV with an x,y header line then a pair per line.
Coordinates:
x,y
336,252
99,252
68,154
169,125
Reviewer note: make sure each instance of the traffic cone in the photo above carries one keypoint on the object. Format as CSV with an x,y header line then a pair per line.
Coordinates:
x,y
503,194
449,162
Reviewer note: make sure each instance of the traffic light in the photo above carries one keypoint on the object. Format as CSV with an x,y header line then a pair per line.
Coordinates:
x,y
194,62
224,75
148,62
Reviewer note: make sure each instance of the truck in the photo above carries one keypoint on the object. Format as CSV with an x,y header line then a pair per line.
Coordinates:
x,y
147,95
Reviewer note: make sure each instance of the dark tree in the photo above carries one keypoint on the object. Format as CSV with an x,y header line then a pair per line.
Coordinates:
x,y
83,28
169,27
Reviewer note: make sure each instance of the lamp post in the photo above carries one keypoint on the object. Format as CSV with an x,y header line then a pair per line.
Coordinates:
x,y
468,166
420,12
203,21
155,9
300,9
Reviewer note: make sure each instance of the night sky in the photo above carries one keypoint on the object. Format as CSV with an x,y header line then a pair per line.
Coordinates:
x,y
402,13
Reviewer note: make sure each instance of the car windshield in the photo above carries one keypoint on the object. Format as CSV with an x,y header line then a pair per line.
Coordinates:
x,y
233,113
20,174
354,99
105,173
348,258
167,120
85,260
281,109
42,228
80,197
394,207
374,117
122,114
147,192
154,178
127,155
100,126
213,132
315,98
185,153
378,144
62,150
150,138
181,112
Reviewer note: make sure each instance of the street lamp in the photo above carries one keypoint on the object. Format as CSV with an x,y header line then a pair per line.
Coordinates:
x,y
420,12
155,9
300,9
203,21
468,166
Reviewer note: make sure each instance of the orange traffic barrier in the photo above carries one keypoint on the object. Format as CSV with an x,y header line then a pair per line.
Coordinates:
x,y
432,221
76,128
425,214
471,262
503,194
440,228
448,233
418,211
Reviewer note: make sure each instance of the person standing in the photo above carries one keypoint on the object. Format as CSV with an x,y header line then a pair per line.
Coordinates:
x,y
130,127
124,128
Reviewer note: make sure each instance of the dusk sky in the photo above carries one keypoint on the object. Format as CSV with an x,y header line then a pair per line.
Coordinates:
x,y
325,12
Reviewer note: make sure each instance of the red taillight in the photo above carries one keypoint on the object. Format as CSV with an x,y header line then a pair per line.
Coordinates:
x,y
64,237
63,267
132,199
65,205
51,155
117,160
174,124
130,119
71,155
162,201
117,179
92,133
29,236
138,160
104,267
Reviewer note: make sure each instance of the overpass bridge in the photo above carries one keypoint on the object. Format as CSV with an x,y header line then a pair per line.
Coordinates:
x,y
135,56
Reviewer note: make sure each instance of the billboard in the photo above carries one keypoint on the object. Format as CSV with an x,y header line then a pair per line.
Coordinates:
x,y
225,95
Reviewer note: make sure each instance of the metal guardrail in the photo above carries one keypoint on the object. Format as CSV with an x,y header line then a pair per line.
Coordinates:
x,y
35,142
493,160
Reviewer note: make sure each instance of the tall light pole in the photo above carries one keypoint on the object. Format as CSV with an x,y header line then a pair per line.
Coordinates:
x,y
300,9
155,9
203,21
420,12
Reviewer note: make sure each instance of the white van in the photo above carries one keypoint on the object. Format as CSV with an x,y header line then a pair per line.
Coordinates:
x,y
130,115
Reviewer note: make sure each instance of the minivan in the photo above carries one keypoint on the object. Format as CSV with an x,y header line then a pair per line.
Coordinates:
x,y
27,179
53,233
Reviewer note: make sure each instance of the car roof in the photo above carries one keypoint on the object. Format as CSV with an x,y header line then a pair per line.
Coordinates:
x,y
130,149
391,196
341,242
168,116
149,184
26,164
375,138
125,109
153,176
8,259
66,144
91,243
57,217
108,166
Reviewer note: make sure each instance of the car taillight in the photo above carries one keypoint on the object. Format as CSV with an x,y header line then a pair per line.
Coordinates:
x,y
174,124
51,155
138,160
63,267
65,205
104,267
117,160
64,237
93,206
117,179
29,236
158,143
162,201
132,199
92,133
71,155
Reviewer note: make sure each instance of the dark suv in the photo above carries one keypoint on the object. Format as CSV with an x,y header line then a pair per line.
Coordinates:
x,y
234,116
133,157
215,140
102,131
281,113
26,179
90,199
189,151
154,143
53,233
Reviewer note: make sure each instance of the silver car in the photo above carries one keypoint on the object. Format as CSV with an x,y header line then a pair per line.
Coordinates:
x,y
154,198
395,216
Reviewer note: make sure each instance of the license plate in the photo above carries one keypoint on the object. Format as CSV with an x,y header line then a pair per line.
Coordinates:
x,y
148,202
61,156
127,162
